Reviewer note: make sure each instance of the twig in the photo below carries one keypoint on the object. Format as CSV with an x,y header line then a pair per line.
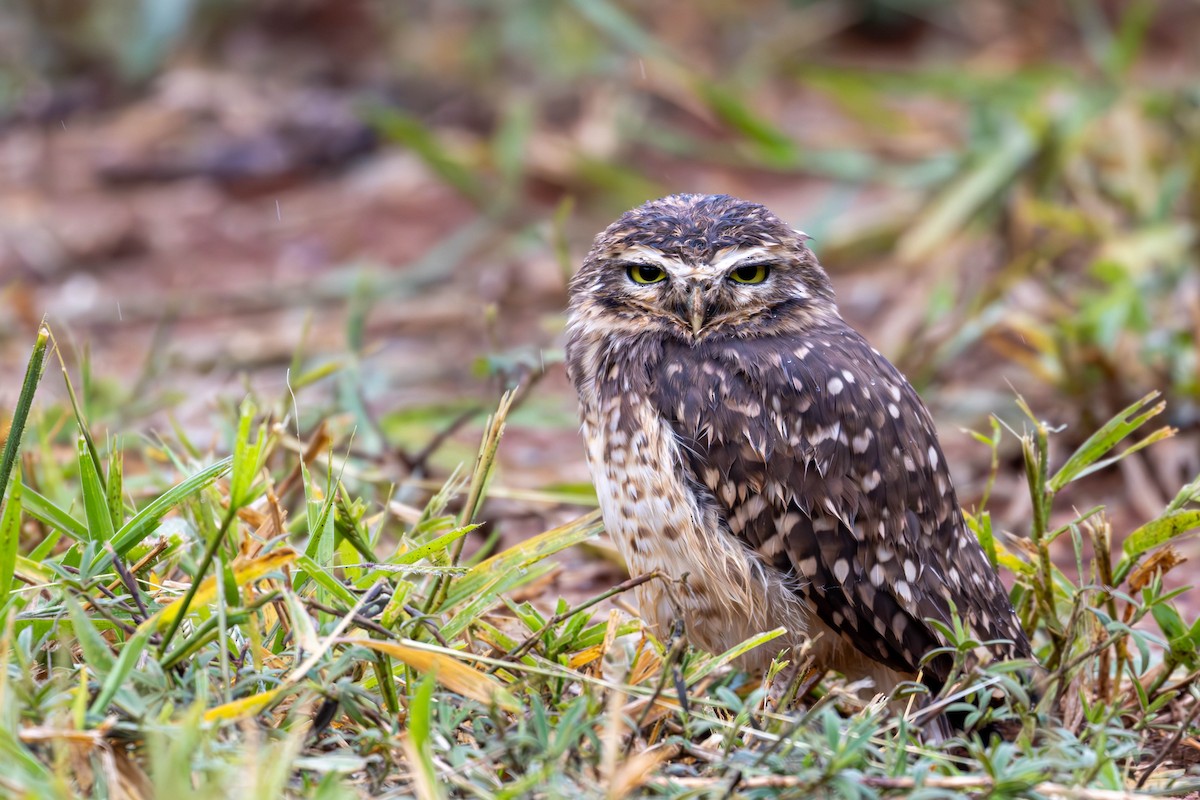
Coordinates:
x,y
1170,745
363,622
126,577
416,463
420,616
102,611
159,547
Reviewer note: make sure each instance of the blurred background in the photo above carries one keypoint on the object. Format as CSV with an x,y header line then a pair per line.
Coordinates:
x,y
379,203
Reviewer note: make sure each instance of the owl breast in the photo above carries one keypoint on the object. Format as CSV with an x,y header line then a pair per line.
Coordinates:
x,y
662,520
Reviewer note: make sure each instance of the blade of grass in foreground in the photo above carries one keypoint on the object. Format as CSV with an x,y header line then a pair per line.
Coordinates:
x,y
484,582
449,671
130,653
10,536
143,523
95,500
418,747
1086,459
41,509
33,374
242,575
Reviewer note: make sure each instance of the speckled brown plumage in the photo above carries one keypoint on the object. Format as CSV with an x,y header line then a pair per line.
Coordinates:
x,y
742,435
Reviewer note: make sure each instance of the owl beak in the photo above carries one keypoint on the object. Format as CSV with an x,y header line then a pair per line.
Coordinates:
x,y
697,306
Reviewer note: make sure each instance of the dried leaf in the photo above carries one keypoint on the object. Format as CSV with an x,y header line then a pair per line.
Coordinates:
x,y
1160,563
449,670
242,575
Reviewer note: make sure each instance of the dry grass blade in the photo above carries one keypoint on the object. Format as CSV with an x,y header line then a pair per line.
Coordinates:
x,y
242,574
446,669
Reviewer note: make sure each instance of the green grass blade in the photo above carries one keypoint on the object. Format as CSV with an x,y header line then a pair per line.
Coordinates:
x,y
1103,440
114,487
143,523
43,510
775,147
35,569
96,653
440,545
490,594
325,579
95,498
521,556
33,374
1160,531
715,663
247,457
124,665
10,538
418,741
620,27
410,132
485,461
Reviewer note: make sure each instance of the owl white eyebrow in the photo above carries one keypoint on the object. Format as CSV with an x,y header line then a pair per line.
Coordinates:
x,y
648,256
738,255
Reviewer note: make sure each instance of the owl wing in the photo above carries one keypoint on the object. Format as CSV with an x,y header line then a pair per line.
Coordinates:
x,y
822,458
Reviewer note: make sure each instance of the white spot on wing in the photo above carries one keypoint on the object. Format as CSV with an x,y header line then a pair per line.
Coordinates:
x,y
821,434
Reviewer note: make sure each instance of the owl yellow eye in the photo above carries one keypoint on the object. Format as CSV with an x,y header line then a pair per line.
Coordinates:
x,y
751,273
645,273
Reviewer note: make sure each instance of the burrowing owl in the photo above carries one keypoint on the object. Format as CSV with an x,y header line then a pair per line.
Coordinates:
x,y
748,443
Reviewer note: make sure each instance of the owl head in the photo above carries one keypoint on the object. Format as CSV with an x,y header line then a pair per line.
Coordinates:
x,y
701,267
